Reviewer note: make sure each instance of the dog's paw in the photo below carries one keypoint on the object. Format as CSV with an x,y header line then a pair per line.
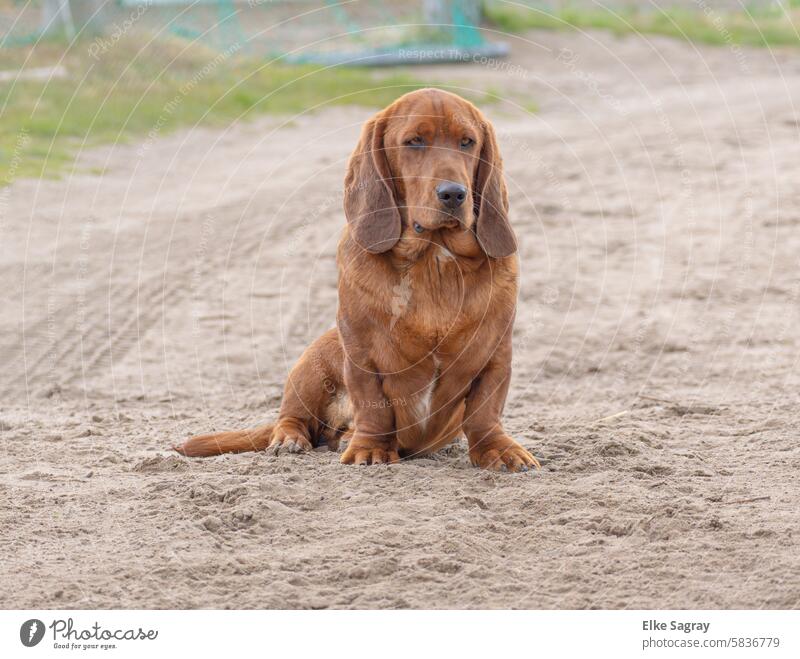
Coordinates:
x,y
369,451
284,441
502,454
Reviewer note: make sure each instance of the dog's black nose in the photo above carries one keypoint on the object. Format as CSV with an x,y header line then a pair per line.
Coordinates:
x,y
452,195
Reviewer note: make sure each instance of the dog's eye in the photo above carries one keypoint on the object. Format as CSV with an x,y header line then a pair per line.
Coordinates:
x,y
467,142
415,141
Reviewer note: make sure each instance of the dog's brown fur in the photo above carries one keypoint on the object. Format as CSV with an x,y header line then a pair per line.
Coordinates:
x,y
422,348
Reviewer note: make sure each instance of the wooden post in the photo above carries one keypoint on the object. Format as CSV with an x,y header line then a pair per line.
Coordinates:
x,y
55,15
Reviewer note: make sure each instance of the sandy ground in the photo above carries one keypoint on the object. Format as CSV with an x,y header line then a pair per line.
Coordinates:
x,y
655,196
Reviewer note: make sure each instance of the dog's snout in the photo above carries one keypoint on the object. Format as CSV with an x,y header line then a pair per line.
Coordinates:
x,y
452,195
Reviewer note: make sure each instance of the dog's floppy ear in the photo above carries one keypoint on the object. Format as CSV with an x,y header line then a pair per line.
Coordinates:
x,y
369,202
494,231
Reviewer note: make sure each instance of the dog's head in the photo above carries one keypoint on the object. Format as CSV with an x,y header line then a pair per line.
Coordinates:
x,y
428,162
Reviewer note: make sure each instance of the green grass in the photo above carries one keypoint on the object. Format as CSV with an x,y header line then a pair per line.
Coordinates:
x,y
126,93
765,28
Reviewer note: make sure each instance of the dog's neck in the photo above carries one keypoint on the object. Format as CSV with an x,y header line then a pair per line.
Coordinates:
x,y
448,244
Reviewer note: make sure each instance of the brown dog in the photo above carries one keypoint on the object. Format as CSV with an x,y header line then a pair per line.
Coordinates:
x,y
427,294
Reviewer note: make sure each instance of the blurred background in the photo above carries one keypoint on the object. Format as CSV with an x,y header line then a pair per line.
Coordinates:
x,y
102,70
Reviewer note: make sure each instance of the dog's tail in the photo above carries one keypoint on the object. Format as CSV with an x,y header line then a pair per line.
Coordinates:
x,y
234,441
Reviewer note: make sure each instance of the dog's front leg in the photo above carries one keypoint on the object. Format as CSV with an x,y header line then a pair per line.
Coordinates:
x,y
373,440
489,445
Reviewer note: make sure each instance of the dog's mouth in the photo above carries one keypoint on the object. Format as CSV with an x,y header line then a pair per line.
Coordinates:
x,y
444,221
452,224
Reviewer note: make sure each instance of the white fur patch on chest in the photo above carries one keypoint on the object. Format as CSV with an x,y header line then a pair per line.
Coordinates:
x,y
422,406
445,254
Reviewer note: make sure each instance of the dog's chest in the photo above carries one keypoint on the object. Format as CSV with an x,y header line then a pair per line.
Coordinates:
x,y
423,398
437,299
437,372
444,323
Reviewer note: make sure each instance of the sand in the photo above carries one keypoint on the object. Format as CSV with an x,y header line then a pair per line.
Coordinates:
x,y
655,370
